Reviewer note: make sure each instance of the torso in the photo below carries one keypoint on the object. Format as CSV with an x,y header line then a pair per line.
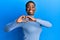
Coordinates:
x,y
32,30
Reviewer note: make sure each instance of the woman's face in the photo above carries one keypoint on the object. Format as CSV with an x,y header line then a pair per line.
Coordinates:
x,y
30,9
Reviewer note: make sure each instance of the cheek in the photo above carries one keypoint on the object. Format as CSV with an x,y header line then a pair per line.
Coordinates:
x,y
33,9
27,9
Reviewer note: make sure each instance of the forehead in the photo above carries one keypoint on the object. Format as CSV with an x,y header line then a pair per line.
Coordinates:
x,y
30,4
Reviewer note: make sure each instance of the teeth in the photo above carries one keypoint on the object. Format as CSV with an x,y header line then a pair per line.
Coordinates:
x,y
30,11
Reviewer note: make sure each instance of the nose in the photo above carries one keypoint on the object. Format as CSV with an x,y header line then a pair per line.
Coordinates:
x,y
30,8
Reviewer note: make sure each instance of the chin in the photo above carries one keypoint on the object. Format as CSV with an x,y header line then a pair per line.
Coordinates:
x,y
30,14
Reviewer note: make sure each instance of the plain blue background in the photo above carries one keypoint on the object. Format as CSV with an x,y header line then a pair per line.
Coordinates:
x,y
45,9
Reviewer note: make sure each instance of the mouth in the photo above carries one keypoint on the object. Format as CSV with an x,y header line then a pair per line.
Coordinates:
x,y
31,11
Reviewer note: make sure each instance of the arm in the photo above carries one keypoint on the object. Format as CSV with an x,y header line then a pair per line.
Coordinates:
x,y
44,23
11,26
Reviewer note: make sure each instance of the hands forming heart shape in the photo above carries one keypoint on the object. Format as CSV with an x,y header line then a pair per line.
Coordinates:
x,y
21,19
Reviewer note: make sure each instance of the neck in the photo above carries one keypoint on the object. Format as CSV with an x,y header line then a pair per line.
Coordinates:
x,y
30,15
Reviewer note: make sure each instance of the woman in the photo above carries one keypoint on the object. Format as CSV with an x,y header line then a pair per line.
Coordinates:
x,y
31,26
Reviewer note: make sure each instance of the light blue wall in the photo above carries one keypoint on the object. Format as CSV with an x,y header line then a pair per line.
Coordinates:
x,y
45,9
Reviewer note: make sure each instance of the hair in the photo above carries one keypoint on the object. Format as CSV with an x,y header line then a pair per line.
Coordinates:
x,y
30,2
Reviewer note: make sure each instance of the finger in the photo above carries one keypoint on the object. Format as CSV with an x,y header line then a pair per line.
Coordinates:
x,y
28,17
23,16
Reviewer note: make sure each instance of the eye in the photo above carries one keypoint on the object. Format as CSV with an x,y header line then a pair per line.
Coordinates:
x,y
27,6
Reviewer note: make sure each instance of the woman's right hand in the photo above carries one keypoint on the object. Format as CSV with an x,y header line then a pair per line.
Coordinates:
x,y
20,19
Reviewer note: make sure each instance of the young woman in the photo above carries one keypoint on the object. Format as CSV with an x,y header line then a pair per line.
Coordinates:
x,y
31,26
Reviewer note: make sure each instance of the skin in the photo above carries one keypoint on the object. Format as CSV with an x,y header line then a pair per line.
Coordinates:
x,y
30,11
